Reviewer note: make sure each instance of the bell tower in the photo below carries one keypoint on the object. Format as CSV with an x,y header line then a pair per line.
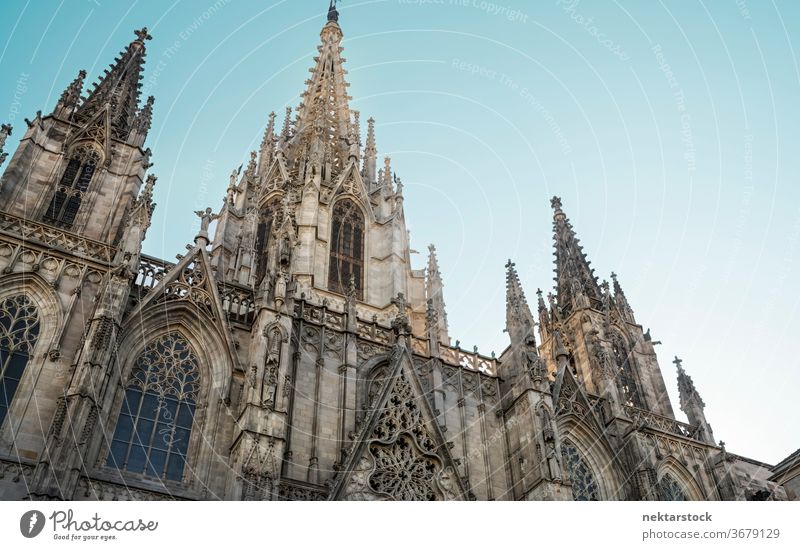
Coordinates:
x,y
80,167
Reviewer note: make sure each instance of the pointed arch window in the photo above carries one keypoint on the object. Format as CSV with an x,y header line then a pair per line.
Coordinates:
x,y
19,331
263,231
625,375
155,421
69,193
669,489
584,486
346,248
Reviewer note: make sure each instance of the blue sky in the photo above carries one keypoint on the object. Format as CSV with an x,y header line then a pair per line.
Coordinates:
x,y
669,129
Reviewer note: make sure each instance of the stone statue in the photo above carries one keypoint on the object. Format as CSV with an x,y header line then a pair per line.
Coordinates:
x,y
206,217
280,289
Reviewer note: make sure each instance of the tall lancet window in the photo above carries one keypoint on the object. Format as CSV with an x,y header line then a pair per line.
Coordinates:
x,y
75,180
584,486
669,489
625,376
262,237
347,248
155,421
19,330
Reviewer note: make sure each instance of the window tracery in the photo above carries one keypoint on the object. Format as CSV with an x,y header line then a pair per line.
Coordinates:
x,y
155,421
74,183
19,331
346,248
625,375
584,485
669,489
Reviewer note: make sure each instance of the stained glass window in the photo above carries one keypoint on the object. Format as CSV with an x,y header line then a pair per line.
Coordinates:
x,y
155,422
346,248
669,489
584,486
19,330
74,183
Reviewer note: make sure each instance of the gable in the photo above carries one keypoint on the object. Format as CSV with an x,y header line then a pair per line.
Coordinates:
x,y
400,453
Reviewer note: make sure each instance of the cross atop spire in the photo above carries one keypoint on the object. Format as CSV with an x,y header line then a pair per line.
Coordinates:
x,y
142,34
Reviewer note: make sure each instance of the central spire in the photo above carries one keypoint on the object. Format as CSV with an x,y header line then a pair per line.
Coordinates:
x,y
576,284
324,128
118,90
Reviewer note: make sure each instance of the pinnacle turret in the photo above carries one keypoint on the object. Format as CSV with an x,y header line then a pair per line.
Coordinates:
x,y
692,404
70,97
576,285
434,293
369,168
267,146
519,320
621,301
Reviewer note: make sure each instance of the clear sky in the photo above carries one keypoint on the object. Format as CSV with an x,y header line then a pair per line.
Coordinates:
x,y
669,129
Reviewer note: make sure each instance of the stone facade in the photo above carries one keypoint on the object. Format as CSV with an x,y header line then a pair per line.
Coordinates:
x,y
296,355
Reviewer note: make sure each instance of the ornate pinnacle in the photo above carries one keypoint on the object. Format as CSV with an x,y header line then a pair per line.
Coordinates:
x,y
287,124
686,389
541,303
370,147
71,95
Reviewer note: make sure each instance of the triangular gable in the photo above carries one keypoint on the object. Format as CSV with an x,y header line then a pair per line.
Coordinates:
x,y
569,398
98,129
277,174
400,452
349,182
190,281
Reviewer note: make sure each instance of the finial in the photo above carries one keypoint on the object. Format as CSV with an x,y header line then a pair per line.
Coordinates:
x,y
555,203
149,185
678,363
142,35
510,264
287,123
333,14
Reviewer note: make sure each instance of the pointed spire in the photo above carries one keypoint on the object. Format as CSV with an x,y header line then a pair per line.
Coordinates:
x,y
688,393
323,117
267,146
621,301
369,168
71,97
5,131
434,292
691,403
118,89
386,173
576,284
144,118
287,125
519,320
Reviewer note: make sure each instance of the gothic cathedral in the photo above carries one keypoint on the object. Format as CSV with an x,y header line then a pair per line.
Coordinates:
x,y
296,355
